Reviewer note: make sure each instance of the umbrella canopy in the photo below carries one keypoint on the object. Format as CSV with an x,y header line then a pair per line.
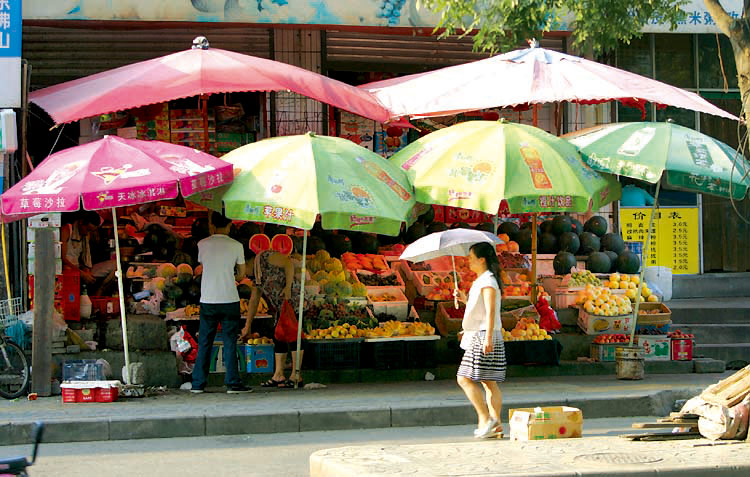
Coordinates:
x,y
193,72
114,172
529,76
477,164
454,242
687,159
291,180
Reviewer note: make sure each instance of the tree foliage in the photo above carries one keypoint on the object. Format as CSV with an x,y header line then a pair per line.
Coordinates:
x,y
596,24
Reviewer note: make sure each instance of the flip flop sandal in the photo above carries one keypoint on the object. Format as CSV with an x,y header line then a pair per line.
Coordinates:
x,y
272,383
287,384
487,431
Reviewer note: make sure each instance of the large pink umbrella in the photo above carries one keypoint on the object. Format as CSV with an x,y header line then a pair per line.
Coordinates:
x,y
530,76
113,172
200,70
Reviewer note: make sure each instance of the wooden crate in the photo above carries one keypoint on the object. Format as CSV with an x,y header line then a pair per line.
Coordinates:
x,y
730,391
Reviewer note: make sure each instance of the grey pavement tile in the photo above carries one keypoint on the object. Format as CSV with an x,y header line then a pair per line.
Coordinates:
x,y
154,428
344,419
252,424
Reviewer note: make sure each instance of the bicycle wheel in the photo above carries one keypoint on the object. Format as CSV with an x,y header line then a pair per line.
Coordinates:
x,y
14,370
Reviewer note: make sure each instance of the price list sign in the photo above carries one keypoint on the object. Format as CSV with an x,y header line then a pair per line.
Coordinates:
x,y
674,237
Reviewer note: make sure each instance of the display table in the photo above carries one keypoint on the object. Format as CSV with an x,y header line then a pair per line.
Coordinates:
x,y
533,352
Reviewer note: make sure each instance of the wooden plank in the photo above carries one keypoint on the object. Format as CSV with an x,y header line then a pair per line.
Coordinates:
x,y
660,425
662,436
44,296
679,422
730,391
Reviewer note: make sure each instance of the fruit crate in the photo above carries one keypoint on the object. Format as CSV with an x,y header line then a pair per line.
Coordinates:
x,y
604,352
258,358
383,353
399,281
419,281
663,317
90,391
681,349
446,324
420,353
655,347
335,354
398,308
67,294
105,305
598,325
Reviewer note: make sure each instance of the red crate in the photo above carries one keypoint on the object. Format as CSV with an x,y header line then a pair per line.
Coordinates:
x,y
67,294
90,391
109,394
106,305
681,349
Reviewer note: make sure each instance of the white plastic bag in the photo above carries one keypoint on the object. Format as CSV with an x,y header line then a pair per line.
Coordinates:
x,y
178,343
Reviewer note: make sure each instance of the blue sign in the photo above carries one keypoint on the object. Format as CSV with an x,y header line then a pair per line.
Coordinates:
x,y
10,28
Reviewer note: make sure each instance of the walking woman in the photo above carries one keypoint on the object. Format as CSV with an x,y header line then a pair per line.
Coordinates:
x,y
483,364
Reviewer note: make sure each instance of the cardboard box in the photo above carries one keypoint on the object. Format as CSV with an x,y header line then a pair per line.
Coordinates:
x,y
655,347
600,325
556,422
603,352
258,358
398,308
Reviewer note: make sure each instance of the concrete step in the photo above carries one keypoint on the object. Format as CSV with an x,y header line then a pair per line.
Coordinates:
x,y
725,352
711,285
725,333
710,310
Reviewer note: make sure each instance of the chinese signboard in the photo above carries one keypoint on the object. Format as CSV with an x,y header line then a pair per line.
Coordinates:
x,y
10,53
674,236
393,13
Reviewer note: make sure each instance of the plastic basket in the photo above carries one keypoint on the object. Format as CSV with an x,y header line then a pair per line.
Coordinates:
x,y
420,353
10,310
82,370
385,354
335,354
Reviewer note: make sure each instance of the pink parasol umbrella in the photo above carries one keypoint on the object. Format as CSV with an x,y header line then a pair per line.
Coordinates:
x,y
113,172
200,70
530,76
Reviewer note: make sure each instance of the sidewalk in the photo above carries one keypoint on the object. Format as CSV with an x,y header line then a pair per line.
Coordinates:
x,y
339,406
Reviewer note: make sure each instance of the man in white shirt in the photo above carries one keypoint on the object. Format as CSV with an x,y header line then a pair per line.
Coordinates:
x,y
223,261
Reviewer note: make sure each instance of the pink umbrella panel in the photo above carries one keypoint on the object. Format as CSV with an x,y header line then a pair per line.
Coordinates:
x,y
114,172
530,76
194,72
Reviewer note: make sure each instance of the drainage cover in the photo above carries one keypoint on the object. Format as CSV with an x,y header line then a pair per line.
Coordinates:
x,y
618,458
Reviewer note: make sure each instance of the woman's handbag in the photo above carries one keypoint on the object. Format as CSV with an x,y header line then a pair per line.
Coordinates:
x,y
286,327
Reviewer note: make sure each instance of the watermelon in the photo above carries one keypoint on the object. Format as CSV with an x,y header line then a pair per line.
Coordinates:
x,y
259,243
598,262
589,243
561,224
244,291
194,291
166,270
486,226
563,262
368,243
613,242
524,240
509,228
547,243
569,242
199,230
274,229
172,292
428,217
415,232
282,243
184,278
577,226
314,244
612,260
596,225
628,262
182,258
344,289
248,229
339,245
546,226
184,268
436,227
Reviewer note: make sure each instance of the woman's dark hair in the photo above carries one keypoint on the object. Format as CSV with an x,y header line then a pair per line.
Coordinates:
x,y
89,217
220,220
487,252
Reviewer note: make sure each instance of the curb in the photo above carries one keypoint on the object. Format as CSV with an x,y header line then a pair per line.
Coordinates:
x,y
151,427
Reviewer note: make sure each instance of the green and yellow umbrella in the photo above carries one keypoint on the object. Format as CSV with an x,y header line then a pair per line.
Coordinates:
x,y
477,164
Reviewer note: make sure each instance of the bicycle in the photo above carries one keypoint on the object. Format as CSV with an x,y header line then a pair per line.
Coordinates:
x,y
14,367
16,466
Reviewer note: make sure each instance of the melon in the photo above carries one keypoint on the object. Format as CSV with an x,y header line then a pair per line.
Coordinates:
x,y
509,228
166,270
259,243
194,291
561,224
322,255
415,232
577,226
330,288
628,262
569,242
368,243
344,289
563,262
436,227
244,291
428,216
596,225
184,279
320,275
547,243
199,230
274,229
172,292
282,243
198,271
359,290
486,226
598,262
589,243
613,242
339,245
613,260
546,226
314,244
524,240
461,225
248,229
181,258
333,265
159,283
184,268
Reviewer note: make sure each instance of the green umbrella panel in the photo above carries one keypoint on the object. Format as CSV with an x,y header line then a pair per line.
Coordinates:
x,y
477,164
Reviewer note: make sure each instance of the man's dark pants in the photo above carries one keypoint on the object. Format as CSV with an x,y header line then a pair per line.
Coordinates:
x,y
228,314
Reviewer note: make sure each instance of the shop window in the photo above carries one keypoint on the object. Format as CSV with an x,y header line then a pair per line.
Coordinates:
x,y
627,114
683,117
710,68
636,57
675,61
724,130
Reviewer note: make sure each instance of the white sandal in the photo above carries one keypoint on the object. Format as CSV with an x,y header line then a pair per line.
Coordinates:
x,y
487,431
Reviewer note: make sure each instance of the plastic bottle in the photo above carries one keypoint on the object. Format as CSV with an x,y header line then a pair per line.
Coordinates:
x,y
85,304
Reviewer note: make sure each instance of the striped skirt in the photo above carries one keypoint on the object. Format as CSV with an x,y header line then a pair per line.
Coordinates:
x,y
478,366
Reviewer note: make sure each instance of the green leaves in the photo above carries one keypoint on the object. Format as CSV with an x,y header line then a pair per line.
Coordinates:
x,y
596,24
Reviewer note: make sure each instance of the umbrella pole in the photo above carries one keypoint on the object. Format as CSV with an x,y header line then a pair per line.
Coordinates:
x,y
644,254
533,258
204,109
301,305
455,283
495,223
126,375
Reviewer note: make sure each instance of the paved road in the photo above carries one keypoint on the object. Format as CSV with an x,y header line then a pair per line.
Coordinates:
x,y
285,454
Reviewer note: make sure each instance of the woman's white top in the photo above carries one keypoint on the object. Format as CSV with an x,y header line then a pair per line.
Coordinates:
x,y
475,316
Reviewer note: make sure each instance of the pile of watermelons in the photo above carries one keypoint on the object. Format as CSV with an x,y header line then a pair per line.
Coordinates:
x,y
568,237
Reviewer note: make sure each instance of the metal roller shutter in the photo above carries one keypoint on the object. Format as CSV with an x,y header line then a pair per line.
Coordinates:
x,y
360,51
62,54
